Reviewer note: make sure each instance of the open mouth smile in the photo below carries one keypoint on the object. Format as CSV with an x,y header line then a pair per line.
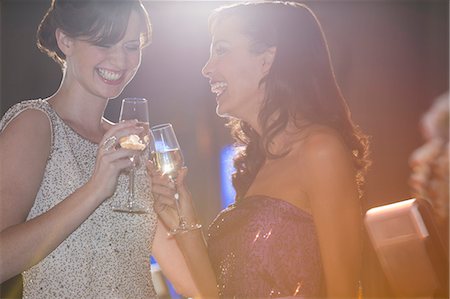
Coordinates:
x,y
110,77
218,88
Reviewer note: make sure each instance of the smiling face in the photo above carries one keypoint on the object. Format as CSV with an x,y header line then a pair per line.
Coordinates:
x,y
235,72
103,70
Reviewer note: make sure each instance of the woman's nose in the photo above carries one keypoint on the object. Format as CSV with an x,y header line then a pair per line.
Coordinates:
x,y
206,70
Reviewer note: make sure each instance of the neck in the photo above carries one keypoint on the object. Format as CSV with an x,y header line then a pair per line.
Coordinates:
x,y
293,132
254,123
83,113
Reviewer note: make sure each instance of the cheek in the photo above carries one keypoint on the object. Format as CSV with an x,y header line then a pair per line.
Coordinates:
x,y
134,60
248,82
84,63
95,55
249,72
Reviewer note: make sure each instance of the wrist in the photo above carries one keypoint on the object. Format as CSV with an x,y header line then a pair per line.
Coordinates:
x,y
184,228
95,193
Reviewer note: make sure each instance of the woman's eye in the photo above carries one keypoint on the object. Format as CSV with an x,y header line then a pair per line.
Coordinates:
x,y
220,50
132,47
104,46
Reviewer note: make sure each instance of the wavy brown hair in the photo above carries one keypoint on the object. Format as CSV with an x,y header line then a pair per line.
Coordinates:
x,y
300,85
101,22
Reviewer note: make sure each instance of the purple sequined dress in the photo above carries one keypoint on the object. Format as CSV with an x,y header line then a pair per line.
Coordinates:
x,y
265,247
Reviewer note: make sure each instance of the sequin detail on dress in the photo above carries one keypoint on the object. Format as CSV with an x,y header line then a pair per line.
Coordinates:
x,y
108,255
265,247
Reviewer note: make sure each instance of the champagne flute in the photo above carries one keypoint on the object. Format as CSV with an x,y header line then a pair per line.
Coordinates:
x,y
168,159
134,108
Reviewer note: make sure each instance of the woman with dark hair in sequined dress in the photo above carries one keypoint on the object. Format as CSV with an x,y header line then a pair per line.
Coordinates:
x,y
295,228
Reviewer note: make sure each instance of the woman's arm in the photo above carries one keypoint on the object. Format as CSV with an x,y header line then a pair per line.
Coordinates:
x,y
25,147
183,257
173,263
333,195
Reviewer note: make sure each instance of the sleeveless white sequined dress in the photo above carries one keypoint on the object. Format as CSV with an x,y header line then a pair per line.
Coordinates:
x,y
108,255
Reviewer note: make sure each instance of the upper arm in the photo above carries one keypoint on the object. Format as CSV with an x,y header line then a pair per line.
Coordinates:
x,y
172,263
335,204
25,147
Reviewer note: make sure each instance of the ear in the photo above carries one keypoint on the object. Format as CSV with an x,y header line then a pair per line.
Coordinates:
x,y
65,43
267,59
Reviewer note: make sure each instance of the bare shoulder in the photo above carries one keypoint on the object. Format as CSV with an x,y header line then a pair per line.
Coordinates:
x,y
333,195
25,146
322,145
30,127
327,163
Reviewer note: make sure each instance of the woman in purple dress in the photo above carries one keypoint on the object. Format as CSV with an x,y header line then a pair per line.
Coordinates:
x,y
295,228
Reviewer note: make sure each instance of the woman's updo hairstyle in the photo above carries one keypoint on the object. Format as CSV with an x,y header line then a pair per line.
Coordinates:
x,y
101,22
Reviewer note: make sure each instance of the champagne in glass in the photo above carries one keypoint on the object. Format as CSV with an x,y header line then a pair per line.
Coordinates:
x,y
168,161
167,157
134,108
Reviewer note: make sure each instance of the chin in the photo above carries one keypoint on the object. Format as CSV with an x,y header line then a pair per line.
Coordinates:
x,y
220,111
112,94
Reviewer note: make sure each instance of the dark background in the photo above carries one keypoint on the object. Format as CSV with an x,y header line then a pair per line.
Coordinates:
x,y
390,57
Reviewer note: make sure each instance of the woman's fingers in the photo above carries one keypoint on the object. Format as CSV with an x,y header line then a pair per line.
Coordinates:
x,y
161,199
152,169
124,128
182,173
165,185
111,158
180,186
120,158
165,191
112,136
157,177
163,181
121,153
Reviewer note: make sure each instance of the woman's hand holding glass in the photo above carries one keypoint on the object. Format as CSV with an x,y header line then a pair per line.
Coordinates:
x,y
112,159
172,199
134,108
168,160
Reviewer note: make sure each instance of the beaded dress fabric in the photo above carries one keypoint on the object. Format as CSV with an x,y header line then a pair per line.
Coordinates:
x,y
264,247
107,256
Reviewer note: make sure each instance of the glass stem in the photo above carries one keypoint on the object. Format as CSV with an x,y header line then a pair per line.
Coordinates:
x,y
182,221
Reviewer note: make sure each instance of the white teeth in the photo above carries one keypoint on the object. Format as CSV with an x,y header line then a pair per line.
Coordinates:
x,y
109,75
218,88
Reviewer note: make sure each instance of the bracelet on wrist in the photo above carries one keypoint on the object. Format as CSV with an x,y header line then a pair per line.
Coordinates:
x,y
183,228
